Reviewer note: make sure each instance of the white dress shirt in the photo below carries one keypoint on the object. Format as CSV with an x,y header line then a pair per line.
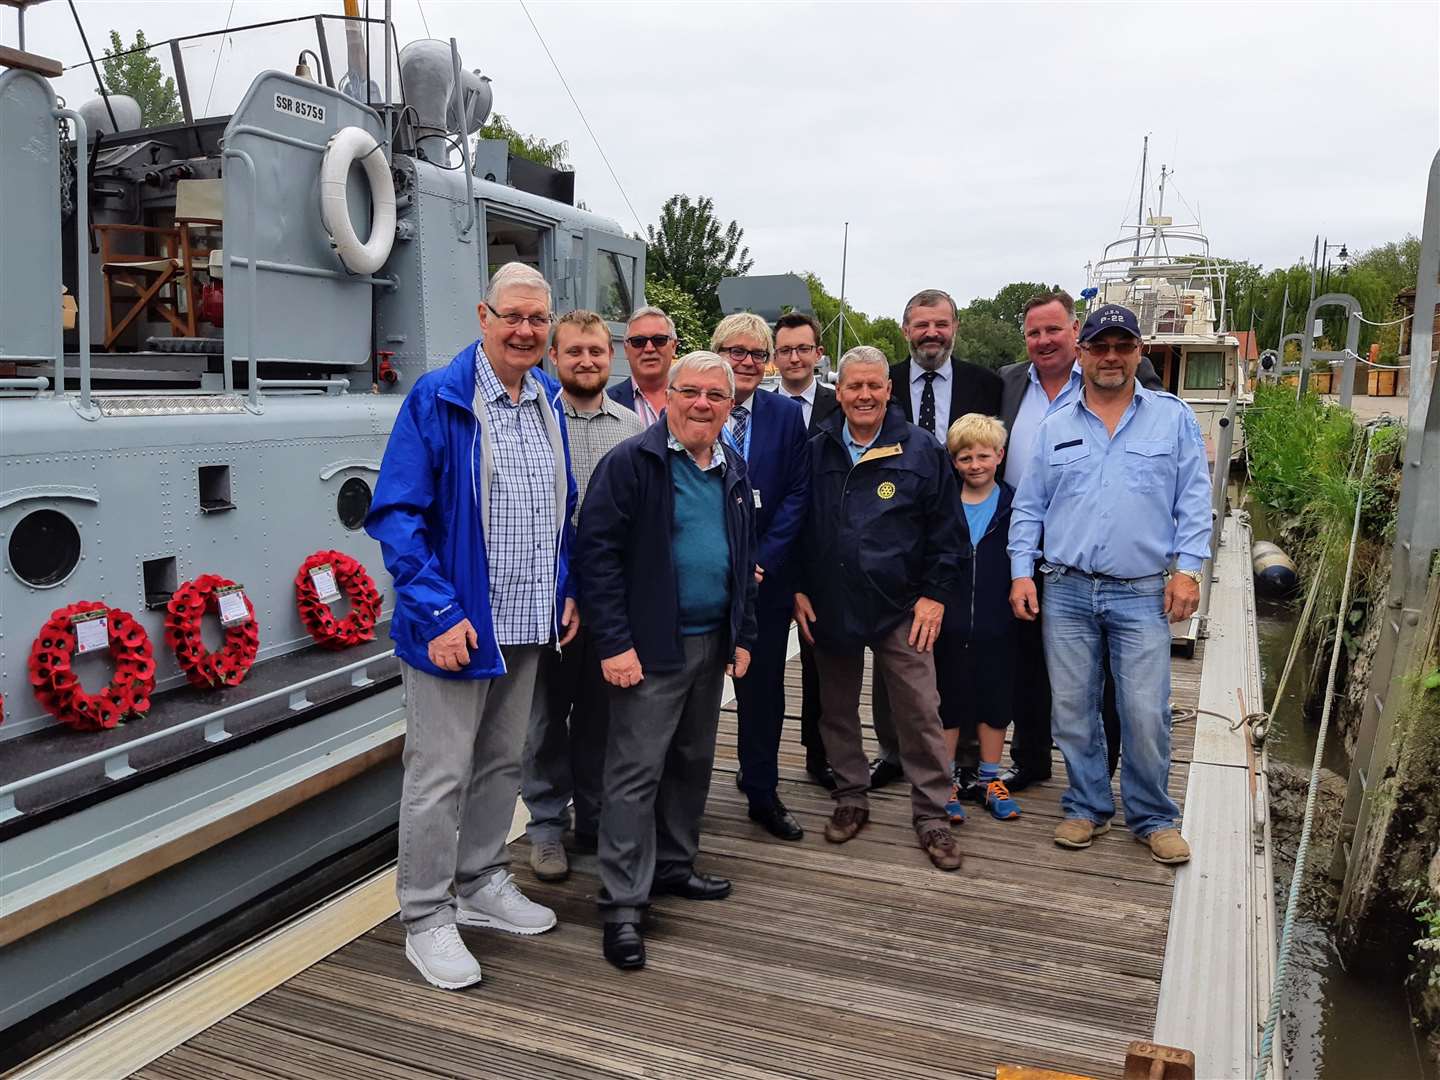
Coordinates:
x,y
942,396
805,399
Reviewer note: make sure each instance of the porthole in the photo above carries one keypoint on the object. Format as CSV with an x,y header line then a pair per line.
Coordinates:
x,y
353,502
44,548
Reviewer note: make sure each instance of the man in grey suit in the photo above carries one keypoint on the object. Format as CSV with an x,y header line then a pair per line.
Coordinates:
x,y
1029,391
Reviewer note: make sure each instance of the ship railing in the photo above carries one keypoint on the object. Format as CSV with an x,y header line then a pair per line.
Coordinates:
x,y
115,761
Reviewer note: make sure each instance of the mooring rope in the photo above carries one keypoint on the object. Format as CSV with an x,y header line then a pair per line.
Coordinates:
x,y
1292,903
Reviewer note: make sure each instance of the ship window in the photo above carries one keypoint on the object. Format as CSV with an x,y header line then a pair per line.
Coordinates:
x,y
353,502
160,579
1204,371
614,277
44,548
215,488
512,241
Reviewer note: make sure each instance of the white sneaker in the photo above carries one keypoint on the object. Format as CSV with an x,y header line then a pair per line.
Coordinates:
x,y
501,905
440,956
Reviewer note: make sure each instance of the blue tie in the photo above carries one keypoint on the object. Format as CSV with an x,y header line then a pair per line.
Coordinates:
x,y
741,431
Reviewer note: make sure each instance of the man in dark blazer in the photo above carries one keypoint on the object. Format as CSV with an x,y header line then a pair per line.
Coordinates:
x,y
1029,391
797,353
932,389
650,344
769,432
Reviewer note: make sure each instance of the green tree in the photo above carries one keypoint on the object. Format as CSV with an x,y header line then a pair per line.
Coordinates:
x,y
530,147
690,328
1008,304
140,76
883,332
983,339
693,250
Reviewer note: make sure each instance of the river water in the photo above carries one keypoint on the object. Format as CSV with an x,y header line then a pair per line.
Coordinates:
x,y
1338,1025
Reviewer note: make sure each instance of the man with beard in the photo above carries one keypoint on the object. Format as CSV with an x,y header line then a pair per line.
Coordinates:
x,y
932,388
650,342
1116,493
565,748
1032,389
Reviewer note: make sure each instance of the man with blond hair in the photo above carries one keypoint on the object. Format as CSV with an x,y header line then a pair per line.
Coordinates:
x,y
769,432
473,512
650,342
565,749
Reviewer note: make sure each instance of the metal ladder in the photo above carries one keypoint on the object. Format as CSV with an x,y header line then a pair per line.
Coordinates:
x,y
1417,538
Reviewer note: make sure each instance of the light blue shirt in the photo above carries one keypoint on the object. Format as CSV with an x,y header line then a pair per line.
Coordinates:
x,y
1126,505
944,373
857,450
978,515
1034,407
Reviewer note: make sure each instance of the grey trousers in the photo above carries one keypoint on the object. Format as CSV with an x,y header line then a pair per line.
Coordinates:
x,y
462,775
565,747
910,679
657,776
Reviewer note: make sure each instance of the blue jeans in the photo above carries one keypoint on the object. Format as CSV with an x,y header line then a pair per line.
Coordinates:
x,y
1076,610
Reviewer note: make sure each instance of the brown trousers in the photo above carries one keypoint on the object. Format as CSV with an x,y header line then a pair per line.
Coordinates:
x,y
915,709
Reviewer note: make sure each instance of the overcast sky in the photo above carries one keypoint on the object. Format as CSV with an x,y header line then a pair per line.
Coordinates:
x,y
968,145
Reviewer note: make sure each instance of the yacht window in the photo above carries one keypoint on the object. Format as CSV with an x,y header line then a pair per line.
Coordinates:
x,y
614,280
1204,371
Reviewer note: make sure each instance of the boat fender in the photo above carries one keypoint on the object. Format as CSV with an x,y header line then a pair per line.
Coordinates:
x,y
1275,573
345,148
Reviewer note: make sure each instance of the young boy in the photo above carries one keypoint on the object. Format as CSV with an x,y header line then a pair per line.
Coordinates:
x,y
976,694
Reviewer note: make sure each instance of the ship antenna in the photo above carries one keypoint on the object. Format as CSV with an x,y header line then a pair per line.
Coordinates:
x,y
99,82
1139,206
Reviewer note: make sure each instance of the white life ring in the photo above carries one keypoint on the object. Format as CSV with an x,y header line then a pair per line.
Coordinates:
x,y
347,146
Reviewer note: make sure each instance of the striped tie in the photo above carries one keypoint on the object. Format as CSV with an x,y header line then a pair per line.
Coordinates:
x,y
741,416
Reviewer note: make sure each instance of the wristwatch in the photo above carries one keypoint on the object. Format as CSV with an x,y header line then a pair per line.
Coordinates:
x,y
1193,575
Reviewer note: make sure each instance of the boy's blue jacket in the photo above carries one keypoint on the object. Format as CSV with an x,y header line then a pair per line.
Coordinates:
x,y
980,608
427,516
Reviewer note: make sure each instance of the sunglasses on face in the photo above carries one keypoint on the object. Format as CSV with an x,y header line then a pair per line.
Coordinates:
x,y
639,340
1119,348
738,353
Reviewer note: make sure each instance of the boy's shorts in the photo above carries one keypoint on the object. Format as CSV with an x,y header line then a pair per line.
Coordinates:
x,y
976,679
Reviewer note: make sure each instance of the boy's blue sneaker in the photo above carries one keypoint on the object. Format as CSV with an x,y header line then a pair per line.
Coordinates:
x,y
999,802
953,807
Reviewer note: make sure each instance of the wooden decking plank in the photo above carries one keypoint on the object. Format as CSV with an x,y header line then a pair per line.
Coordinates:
x,y
858,960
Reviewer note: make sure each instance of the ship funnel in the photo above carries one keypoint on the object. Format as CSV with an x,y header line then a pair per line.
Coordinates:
x,y
428,77
97,117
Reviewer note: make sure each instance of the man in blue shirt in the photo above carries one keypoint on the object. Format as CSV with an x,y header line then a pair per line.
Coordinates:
x,y
1118,488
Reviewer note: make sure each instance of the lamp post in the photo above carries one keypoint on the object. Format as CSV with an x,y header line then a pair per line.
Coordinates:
x,y
1344,263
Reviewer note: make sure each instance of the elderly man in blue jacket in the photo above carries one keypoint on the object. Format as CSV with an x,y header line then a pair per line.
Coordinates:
x,y
885,542
473,513
668,583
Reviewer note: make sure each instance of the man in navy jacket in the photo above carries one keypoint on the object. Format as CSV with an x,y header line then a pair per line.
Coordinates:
x,y
473,514
668,584
769,432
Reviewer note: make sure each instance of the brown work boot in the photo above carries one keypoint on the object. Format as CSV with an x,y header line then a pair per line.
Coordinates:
x,y
1167,846
845,822
1076,833
941,847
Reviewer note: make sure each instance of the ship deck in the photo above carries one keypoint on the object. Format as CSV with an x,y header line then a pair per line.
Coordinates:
x,y
855,960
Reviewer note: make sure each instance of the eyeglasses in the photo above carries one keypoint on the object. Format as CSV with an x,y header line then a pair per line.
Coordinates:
x,y
690,393
1119,348
513,319
657,341
804,352
738,352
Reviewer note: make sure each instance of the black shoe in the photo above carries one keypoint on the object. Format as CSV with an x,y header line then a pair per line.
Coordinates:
x,y
778,821
883,771
967,782
693,887
1017,778
820,772
739,779
624,947
585,843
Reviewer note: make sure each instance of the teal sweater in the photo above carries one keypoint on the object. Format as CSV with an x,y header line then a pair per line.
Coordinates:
x,y
699,546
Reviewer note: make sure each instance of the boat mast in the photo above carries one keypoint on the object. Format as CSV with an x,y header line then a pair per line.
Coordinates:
x,y
844,259
1140,205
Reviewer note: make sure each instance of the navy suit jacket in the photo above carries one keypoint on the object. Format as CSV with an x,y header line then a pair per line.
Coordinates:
x,y
624,393
824,405
779,469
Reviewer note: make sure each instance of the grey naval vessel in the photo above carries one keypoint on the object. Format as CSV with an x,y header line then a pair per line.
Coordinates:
x,y
206,330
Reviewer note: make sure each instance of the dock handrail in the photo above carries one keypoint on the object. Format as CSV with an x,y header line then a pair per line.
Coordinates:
x,y
116,759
